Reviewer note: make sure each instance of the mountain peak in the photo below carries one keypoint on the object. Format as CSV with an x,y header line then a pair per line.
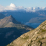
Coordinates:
x,y
8,19
11,16
12,19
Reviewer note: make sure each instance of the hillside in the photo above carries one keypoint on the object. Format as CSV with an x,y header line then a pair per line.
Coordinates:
x,y
11,29
36,37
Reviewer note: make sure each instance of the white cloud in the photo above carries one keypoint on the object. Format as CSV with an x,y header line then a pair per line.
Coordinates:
x,y
14,7
43,7
2,8
33,8
20,7
11,7
30,9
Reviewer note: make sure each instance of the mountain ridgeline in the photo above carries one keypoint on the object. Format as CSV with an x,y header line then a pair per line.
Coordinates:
x,y
36,37
31,17
10,29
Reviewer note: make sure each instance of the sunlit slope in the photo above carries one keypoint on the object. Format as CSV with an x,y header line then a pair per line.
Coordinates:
x,y
36,37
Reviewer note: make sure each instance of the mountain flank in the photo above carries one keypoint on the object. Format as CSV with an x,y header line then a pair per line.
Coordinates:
x,y
36,37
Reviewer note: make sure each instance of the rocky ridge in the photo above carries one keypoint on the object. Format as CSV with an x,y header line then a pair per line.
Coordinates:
x,y
36,37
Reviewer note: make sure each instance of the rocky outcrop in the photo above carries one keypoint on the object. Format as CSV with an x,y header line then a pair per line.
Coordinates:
x,y
36,37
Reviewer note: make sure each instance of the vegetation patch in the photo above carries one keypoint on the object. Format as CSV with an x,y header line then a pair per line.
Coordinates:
x,y
43,30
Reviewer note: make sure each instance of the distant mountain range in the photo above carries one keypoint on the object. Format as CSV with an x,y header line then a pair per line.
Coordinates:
x,y
27,18
31,17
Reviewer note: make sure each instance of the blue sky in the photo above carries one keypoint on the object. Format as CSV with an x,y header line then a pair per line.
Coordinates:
x,y
24,3
27,5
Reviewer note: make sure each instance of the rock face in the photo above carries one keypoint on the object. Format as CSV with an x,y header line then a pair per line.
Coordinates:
x,y
36,37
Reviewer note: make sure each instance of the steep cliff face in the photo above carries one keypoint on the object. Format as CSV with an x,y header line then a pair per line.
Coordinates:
x,y
36,37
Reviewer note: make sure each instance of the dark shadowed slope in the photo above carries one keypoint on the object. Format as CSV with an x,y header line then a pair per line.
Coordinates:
x,y
7,35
